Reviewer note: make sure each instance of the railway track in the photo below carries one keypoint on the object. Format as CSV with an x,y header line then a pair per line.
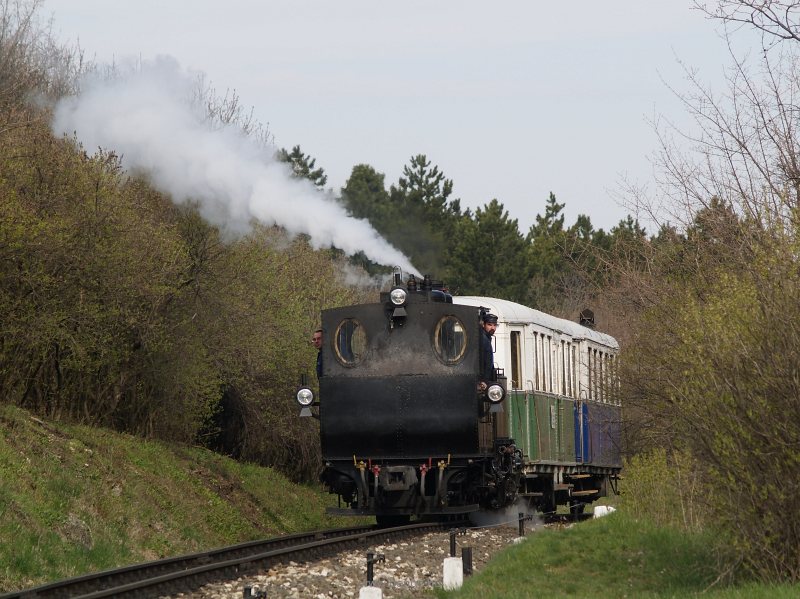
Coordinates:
x,y
184,573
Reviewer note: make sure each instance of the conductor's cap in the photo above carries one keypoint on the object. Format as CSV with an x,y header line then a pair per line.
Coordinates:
x,y
490,318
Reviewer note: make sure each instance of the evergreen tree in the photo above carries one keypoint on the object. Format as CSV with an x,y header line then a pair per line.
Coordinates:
x,y
490,256
427,191
629,229
303,166
416,216
426,216
551,224
365,196
567,265
549,262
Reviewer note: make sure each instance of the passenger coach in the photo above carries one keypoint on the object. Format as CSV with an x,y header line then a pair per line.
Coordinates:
x,y
563,409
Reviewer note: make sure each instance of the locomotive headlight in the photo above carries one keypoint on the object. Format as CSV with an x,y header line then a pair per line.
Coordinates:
x,y
398,296
305,397
495,393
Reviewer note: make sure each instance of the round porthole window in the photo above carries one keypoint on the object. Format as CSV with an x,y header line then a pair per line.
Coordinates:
x,y
350,342
450,340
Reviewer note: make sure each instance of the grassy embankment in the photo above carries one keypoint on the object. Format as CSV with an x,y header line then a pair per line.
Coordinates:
x,y
76,499
616,556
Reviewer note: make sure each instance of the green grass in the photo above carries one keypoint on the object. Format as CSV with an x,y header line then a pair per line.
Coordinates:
x,y
612,557
76,499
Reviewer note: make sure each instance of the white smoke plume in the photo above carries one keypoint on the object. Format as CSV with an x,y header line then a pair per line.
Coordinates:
x,y
148,118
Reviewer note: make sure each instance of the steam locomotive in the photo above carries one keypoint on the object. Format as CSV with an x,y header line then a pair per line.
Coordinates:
x,y
408,428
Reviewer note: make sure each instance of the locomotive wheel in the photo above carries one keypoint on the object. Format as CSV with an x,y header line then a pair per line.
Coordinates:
x,y
390,520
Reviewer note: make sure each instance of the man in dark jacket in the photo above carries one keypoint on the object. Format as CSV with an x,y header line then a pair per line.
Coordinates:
x,y
316,341
489,326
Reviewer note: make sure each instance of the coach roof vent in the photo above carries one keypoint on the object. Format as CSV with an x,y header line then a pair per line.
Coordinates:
x,y
586,318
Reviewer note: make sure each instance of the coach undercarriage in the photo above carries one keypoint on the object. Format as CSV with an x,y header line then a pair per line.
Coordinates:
x,y
441,487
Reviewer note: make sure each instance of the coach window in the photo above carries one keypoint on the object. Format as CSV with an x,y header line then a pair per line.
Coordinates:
x,y
574,371
450,340
600,390
614,379
543,362
516,367
542,372
350,342
598,375
602,376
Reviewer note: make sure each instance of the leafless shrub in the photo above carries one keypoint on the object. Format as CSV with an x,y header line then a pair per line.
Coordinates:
x,y
34,66
710,300
227,109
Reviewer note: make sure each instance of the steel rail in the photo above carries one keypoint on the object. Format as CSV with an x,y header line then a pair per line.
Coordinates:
x,y
183,573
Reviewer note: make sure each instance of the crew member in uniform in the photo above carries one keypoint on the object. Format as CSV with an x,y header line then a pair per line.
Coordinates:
x,y
489,326
316,341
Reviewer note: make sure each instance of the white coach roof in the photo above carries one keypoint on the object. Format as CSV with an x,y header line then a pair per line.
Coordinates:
x,y
513,313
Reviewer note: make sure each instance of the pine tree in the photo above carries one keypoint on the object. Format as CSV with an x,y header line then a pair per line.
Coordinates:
x,y
490,256
303,166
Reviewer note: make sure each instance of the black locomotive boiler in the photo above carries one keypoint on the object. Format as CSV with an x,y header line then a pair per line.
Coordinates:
x,y
409,428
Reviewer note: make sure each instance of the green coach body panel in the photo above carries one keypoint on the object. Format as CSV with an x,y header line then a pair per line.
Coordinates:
x,y
542,425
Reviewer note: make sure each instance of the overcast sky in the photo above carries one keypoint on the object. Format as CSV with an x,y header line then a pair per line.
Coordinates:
x,y
511,100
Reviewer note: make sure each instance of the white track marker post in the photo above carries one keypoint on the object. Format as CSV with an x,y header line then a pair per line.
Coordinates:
x,y
602,510
370,593
453,567
453,573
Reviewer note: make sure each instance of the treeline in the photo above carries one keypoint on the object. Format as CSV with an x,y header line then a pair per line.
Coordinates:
x,y
552,266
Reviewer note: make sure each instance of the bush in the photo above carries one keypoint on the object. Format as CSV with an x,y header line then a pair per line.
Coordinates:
x,y
666,489
714,371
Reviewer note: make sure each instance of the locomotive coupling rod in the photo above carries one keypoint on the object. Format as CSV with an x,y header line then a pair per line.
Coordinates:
x,y
372,559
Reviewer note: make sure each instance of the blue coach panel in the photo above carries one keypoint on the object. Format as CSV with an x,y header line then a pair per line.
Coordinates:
x,y
605,434
582,444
